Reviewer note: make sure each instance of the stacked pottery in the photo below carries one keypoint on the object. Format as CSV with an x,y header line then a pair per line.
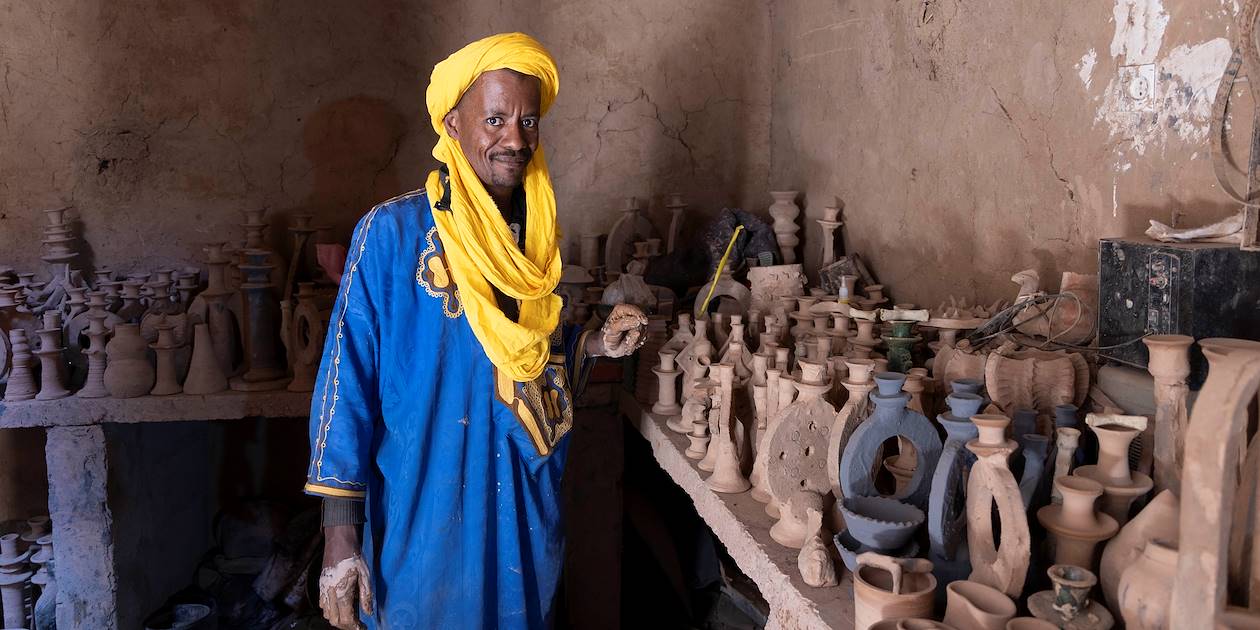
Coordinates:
x,y
1146,587
891,588
1000,564
947,516
1074,528
975,605
128,373
167,372
51,359
784,210
1121,486
15,583
45,609
901,342
21,385
1068,604
878,524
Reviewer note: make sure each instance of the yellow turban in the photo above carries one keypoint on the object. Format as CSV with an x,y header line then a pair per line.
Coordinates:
x,y
480,250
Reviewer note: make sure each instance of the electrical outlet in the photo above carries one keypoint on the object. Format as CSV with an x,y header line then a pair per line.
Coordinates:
x,y
1137,87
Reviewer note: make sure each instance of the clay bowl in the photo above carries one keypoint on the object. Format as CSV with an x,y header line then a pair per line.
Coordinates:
x,y
889,383
966,385
963,405
880,522
850,549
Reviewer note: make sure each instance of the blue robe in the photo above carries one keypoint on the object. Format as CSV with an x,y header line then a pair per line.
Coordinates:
x,y
460,467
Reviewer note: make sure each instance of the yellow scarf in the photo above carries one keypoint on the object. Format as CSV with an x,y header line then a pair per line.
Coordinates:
x,y
480,249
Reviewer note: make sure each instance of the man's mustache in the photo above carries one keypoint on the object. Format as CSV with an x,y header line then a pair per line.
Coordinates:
x,y
522,155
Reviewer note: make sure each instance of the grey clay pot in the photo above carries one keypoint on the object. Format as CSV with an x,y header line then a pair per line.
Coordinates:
x,y
880,523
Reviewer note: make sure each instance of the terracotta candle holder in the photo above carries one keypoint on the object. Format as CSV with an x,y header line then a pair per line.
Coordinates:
x,y
1002,564
1074,527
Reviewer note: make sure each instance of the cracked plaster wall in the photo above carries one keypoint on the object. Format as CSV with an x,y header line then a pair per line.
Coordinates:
x,y
969,141
159,122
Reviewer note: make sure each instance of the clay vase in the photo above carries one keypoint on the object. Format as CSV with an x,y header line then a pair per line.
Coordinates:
x,y
128,373
1121,487
891,588
975,605
205,376
1074,527
1146,587
1158,520
947,516
1035,449
784,210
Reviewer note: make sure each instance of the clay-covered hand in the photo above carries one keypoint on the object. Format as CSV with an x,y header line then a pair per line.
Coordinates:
x,y
624,331
344,586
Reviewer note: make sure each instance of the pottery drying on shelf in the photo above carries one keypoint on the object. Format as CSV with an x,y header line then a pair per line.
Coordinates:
x,y
205,376
21,385
1071,320
51,359
796,458
1068,605
1121,486
891,588
852,414
947,514
727,477
1158,520
304,339
264,366
166,372
784,211
128,373
1066,440
1073,528
975,605
666,378
1146,586
1217,423
890,418
1169,366
1031,383
97,333
1001,564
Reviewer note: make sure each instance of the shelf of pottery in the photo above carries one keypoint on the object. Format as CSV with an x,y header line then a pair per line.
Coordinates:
x,y
72,342
949,469
28,588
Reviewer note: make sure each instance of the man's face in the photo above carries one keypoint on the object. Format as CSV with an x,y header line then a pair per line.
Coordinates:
x,y
496,124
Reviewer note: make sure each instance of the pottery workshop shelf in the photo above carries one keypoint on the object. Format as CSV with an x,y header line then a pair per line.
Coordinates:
x,y
742,525
228,405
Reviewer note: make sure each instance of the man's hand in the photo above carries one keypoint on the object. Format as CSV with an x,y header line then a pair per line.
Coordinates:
x,y
622,334
345,581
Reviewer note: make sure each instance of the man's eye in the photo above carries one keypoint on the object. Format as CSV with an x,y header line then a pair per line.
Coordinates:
x,y
494,120
529,123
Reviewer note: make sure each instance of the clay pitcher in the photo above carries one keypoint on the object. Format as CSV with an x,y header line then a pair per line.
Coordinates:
x,y
891,588
975,605
1146,587
128,373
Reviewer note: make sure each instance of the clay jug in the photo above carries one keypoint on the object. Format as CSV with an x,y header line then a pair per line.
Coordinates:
x,y
1146,587
128,373
891,588
1157,520
975,605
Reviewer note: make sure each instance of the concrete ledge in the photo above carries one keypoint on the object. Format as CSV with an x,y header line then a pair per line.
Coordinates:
x,y
740,522
228,405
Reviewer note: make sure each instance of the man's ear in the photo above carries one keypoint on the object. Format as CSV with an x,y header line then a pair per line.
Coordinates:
x,y
451,122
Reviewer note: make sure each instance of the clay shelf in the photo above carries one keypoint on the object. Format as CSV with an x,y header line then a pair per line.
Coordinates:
x,y
740,522
228,405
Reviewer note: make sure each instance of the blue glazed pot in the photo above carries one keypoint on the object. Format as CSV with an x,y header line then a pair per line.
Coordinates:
x,y
963,405
889,383
1035,449
1023,422
879,522
966,385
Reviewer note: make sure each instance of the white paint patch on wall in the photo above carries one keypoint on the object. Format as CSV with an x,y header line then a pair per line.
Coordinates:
x,y
1193,75
1086,67
1139,30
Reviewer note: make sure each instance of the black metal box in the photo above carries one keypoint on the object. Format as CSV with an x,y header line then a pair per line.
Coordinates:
x,y
1196,289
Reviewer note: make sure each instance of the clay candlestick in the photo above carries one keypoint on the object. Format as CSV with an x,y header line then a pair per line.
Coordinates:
x,y
1074,527
1002,565
666,393
1169,365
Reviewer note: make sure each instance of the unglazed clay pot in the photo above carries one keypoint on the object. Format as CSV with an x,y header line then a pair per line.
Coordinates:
x,y
1075,527
891,588
128,373
1158,520
975,605
1121,486
1146,587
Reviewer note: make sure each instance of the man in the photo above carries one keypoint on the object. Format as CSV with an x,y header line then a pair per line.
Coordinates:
x,y
444,395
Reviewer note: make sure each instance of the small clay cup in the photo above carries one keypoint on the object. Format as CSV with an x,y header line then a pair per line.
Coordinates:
x,y
963,405
880,522
889,383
